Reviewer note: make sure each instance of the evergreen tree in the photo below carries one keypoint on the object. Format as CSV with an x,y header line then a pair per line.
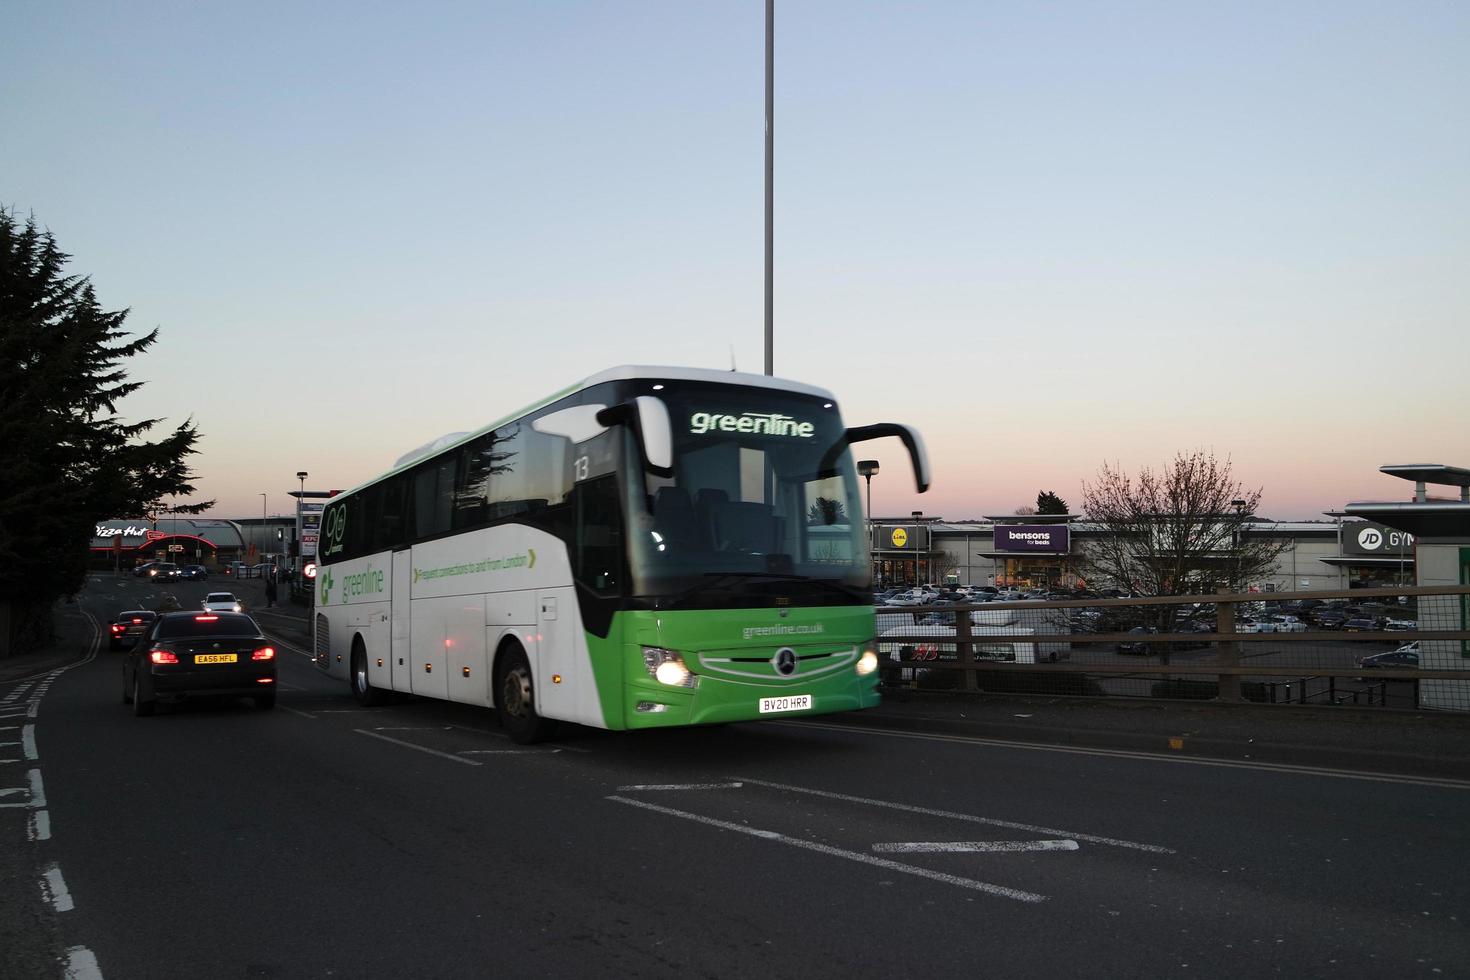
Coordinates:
x,y
1049,503
826,511
70,460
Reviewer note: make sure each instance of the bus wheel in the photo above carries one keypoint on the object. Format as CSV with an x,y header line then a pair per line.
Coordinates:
x,y
516,699
362,689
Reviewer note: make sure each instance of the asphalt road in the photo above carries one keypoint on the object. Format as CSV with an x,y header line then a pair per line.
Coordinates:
x,y
326,840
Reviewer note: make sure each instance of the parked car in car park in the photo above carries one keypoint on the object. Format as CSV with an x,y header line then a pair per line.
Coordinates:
x,y
194,654
127,626
1405,657
1287,624
1360,625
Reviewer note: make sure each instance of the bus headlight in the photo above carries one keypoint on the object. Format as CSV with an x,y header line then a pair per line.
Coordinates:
x,y
667,667
867,663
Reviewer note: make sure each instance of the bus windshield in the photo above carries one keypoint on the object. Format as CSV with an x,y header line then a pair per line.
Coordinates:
x,y
746,514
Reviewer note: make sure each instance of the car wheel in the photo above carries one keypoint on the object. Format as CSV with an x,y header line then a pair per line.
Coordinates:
x,y
141,708
515,699
362,688
265,702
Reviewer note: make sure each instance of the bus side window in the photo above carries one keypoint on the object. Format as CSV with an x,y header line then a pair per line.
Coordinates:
x,y
598,553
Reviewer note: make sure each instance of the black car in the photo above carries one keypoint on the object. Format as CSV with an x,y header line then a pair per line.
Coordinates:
x,y
194,573
127,626
1133,646
197,654
1362,625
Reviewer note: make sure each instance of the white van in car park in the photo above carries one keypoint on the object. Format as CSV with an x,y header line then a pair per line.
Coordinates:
x,y
937,642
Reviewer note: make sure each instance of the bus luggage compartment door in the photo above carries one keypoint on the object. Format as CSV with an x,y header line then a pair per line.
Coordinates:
x,y
399,653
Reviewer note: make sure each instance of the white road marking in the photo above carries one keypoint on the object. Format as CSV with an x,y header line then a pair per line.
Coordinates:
x,y
53,890
967,817
81,964
28,738
410,745
1372,777
660,787
547,751
39,827
975,847
999,891
295,712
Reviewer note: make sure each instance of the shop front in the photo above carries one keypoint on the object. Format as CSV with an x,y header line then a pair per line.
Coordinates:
x,y
901,555
1373,555
1034,556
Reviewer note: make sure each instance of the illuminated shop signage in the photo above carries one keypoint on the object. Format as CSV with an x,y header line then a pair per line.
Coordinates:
x,y
126,530
1032,537
1368,538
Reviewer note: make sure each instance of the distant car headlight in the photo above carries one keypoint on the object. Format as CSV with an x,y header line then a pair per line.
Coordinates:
x,y
667,667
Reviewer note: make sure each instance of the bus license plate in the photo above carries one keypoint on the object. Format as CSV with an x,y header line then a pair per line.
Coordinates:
x,y
214,658
791,702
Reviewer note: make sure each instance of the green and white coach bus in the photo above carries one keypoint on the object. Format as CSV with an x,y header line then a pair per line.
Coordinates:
x,y
651,547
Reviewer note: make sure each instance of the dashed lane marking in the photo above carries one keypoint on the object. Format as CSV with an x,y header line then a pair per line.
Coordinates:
x,y
53,890
975,847
660,787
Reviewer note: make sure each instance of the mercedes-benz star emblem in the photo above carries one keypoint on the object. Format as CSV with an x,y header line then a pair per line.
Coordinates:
x,y
785,661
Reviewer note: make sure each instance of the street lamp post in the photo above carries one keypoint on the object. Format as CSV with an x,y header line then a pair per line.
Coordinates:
x,y
263,536
1239,506
868,467
917,515
300,475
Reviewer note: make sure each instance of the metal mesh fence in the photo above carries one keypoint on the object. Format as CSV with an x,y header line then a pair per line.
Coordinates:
x,y
1402,648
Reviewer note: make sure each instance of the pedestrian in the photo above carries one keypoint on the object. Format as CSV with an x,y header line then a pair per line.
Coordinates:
x,y
270,590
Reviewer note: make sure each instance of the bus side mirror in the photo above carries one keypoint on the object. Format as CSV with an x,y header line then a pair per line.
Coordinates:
x,y
912,441
651,429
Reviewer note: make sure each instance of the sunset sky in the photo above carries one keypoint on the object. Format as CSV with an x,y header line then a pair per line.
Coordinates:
x,y
1048,235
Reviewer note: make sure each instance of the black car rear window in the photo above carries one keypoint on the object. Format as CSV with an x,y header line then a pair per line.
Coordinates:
x,y
207,624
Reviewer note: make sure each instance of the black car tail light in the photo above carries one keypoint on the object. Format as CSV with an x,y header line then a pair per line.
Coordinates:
x,y
118,627
264,653
163,656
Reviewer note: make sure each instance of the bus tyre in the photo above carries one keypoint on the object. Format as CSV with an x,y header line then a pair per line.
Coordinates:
x,y
362,688
515,699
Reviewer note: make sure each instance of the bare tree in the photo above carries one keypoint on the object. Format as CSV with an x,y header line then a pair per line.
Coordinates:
x,y
1185,528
